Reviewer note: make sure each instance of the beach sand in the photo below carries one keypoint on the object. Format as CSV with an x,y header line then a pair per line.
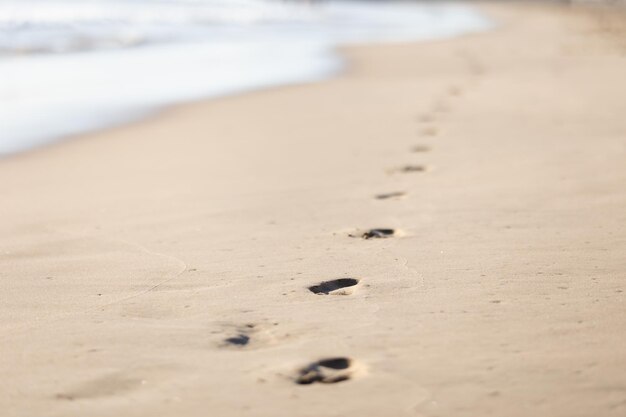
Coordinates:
x,y
163,268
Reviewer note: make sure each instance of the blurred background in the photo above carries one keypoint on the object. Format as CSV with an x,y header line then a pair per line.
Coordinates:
x,y
71,66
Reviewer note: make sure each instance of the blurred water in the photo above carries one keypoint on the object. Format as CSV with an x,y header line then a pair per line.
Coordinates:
x,y
69,66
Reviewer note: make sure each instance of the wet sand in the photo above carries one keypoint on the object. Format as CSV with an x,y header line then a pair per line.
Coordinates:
x,y
220,259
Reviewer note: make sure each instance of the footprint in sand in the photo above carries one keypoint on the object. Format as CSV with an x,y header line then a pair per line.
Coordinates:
x,y
334,287
407,169
379,233
425,118
420,149
241,337
326,371
455,91
251,335
440,107
429,131
238,340
394,195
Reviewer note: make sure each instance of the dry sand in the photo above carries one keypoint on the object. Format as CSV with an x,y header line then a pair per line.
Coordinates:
x,y
162,269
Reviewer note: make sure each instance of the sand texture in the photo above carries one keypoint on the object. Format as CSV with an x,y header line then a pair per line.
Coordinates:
x,y
218,260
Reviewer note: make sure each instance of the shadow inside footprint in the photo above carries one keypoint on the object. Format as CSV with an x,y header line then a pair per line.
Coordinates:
x,y
386,196
412,168
325,371
239,340
378,233
242,336
328,287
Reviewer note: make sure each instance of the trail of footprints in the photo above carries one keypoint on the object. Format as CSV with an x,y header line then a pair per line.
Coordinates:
x,y
325,370
330,370
338,369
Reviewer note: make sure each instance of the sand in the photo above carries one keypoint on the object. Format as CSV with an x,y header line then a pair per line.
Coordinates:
x,y
164,268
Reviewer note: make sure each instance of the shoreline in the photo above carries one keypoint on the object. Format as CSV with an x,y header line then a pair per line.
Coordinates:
x,y
173,266
147,114
212,69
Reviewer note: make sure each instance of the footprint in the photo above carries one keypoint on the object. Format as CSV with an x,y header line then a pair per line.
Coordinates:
x,y
429,131
455,90
252,336
426,118
412,168
387,196
325,371
420,149
239,340
244,335
375,234
333,287
378,233
440,107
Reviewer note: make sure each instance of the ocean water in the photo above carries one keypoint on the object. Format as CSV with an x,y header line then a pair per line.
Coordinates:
x,y
71,66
